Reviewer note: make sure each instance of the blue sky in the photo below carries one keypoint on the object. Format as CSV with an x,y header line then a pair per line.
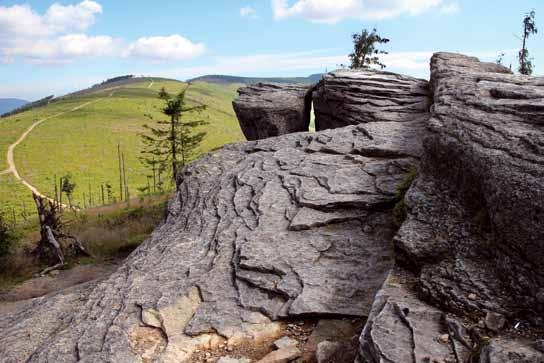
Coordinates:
x,y
49,47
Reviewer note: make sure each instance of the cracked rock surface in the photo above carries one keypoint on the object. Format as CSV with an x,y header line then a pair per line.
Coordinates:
x,y
350,97
278,228
474,236
269,109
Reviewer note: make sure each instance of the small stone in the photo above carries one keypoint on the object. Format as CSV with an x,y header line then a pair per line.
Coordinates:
x,y
327,350
494,322
472,296
208,354
539,345
540,296
444,338
285,342
54,273
230,349
233,360
367,229
284,355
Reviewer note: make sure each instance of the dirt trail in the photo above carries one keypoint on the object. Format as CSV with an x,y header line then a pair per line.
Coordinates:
x,y
10,155
151,84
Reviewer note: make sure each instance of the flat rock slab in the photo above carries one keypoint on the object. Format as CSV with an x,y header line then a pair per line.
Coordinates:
x,y
403,329
267,109
350,97
234,255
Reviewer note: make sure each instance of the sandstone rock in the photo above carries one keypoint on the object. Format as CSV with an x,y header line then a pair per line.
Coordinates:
x,y
473,226
233,360
539,345
401,328
336,351
494,322
473,235
284,355
266,110
285,342
334,331
232,256
327,350
350,97
509,351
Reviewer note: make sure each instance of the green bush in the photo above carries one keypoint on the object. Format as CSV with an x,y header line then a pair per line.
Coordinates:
x,y
399,211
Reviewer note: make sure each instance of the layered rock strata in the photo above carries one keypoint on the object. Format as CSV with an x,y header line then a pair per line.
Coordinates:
x,y
284,227
473,244
268,109
351,97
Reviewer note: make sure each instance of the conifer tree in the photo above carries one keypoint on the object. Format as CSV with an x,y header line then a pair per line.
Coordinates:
x,y
365,52
529,28
171,143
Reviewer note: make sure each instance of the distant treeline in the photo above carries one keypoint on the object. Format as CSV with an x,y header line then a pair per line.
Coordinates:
x,y
114,79
41,102
224,79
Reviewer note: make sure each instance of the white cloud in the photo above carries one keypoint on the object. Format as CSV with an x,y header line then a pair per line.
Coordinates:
x,y
63,49
248,12
58,36
326,11
72,17
451,8
173,47
22,20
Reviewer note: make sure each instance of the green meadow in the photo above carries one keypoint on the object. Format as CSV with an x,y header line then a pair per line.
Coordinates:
x,y
84,142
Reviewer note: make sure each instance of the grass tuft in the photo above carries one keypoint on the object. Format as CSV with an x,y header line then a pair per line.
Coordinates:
x,y
399,211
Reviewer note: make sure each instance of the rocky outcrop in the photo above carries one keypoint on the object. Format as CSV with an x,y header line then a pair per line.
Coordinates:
x,y
351,97
301,225
298,225
473,238
268,109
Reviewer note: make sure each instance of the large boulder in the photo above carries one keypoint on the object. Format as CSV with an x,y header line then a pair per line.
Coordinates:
x,y
350,97
268,109
473,240
298,225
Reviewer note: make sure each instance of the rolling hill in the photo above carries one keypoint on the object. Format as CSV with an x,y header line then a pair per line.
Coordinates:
x,y
79,134
9,104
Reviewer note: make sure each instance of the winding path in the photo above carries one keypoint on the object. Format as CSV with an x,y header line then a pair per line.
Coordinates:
x,y
151,84
10,155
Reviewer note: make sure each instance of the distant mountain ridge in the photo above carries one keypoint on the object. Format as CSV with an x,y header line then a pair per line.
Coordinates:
x,y
224,79
9,104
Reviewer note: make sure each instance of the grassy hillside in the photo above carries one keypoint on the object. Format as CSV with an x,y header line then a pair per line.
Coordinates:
x,y
84,141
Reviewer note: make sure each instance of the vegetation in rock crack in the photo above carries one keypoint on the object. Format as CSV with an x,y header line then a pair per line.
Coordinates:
x,y
399,211
529,28
173,142
366,53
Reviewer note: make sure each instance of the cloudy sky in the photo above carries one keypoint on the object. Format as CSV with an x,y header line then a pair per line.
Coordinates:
x,y
51,47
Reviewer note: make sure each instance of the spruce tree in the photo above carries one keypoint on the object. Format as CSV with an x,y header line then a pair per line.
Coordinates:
x,y
529,28
365,52
171,143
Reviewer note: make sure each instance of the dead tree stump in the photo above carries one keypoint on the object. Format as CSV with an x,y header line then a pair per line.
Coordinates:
x,y
51,234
